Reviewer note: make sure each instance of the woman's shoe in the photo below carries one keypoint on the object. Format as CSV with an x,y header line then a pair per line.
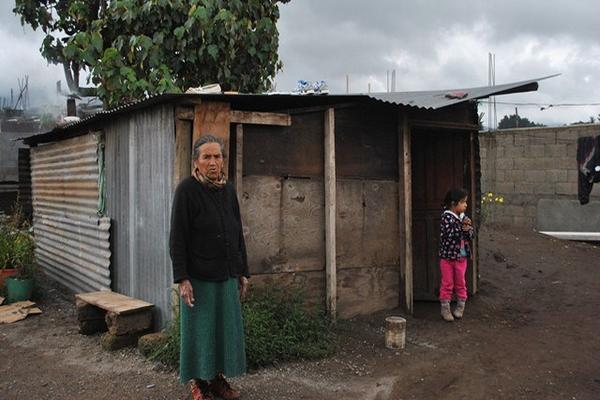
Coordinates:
x,y
221,388
200,393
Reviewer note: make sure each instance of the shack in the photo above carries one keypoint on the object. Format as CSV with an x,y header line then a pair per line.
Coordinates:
x,y
340,194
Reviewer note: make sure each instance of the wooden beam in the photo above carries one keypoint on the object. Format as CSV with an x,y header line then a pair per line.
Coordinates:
x,y
330,214
183,144
260,118
213,118
405,212
473,200
442,125
239,158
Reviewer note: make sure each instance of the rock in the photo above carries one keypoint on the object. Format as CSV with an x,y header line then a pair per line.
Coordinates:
x,y
147,344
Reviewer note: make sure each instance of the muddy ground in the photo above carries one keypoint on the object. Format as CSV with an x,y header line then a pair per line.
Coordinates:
x,y
532,332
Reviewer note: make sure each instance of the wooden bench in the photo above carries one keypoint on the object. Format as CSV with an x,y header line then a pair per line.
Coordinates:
x,y
125,318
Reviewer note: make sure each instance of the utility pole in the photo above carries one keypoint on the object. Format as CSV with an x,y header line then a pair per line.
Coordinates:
x,y
517,116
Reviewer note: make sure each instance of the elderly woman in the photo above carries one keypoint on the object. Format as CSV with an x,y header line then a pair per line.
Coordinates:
x,y
209,263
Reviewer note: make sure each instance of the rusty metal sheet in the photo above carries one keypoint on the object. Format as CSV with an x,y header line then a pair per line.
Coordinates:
x,y
72,241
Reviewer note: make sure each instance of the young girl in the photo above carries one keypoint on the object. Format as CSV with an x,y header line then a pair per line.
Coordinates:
x,y
456,231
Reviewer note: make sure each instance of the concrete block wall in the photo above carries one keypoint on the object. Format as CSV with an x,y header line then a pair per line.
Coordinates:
x,y
528,164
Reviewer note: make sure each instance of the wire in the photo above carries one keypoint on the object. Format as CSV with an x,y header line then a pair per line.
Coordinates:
x,y
543,106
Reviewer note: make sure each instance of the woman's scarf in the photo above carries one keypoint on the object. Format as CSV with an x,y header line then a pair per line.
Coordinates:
x,y
205,180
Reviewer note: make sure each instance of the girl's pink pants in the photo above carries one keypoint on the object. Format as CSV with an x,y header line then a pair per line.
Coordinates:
x,y
453,279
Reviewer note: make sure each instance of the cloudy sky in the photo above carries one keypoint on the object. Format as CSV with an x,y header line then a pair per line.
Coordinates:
x,y
431,44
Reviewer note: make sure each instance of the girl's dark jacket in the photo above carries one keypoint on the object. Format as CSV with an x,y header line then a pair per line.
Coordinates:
x,y
206,240
451,234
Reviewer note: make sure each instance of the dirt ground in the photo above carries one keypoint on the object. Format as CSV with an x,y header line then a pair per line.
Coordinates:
x,y
532,332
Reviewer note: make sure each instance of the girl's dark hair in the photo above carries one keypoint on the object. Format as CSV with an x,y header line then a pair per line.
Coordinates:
x,y
454,196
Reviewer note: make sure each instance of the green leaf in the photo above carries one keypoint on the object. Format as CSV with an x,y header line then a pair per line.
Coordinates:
x,y
179,31
213,51
97,43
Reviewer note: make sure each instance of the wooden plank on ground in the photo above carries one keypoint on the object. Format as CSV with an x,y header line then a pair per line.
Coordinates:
x,y
260,118
114,302
17,311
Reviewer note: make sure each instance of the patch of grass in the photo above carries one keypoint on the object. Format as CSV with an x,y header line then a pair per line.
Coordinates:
x,y
168,353
279,326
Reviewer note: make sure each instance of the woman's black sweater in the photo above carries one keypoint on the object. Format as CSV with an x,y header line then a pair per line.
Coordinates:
x,y
206,240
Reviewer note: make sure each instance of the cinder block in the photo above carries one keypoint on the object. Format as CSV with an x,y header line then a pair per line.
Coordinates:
x,y
572,150
566,188
535,176
566,163
524,187
565,134
516,175
556,175
501,175
530,211
521,140
504,163
543,188
555,150
514,151
505,187
572,176
535,150
504,139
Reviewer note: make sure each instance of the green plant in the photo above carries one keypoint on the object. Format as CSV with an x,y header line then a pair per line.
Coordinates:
x,y
279,326
17,244
489,203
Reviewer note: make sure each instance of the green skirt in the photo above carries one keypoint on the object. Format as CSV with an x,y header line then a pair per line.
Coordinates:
x,y
212,332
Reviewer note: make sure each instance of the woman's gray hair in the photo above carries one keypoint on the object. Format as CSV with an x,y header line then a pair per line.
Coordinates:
x,y
203,140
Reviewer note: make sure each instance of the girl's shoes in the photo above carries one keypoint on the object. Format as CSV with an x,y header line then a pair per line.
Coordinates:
x,y
446,314
460,309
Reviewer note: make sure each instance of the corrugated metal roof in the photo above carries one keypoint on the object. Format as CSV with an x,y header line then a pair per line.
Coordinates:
x,y
436,99
432,100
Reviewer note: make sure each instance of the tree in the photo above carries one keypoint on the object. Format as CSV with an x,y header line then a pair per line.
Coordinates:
x,y
515,121
135,48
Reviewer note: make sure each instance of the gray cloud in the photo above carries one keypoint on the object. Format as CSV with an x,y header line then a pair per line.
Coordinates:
x,y
445,44
432,44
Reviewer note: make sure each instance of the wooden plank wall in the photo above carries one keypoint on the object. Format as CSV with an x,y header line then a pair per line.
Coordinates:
x,y
283,207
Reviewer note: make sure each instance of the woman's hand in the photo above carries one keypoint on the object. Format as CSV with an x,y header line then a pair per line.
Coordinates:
x,y
186,291
243,287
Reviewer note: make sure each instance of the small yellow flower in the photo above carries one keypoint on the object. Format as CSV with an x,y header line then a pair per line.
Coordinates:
x,y
501,200
490,194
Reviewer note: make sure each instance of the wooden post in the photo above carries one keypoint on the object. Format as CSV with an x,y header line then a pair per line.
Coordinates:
x,y
405,213
473,201
330,213
183,144
239,158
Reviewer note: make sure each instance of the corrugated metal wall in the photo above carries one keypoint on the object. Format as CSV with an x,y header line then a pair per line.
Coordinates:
x,y
139,154
72,241
25,181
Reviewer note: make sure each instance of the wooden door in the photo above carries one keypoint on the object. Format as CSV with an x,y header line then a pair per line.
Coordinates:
x,y
439,162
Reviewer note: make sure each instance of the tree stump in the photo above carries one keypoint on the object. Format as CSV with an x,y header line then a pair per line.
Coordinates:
x,y
395,332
